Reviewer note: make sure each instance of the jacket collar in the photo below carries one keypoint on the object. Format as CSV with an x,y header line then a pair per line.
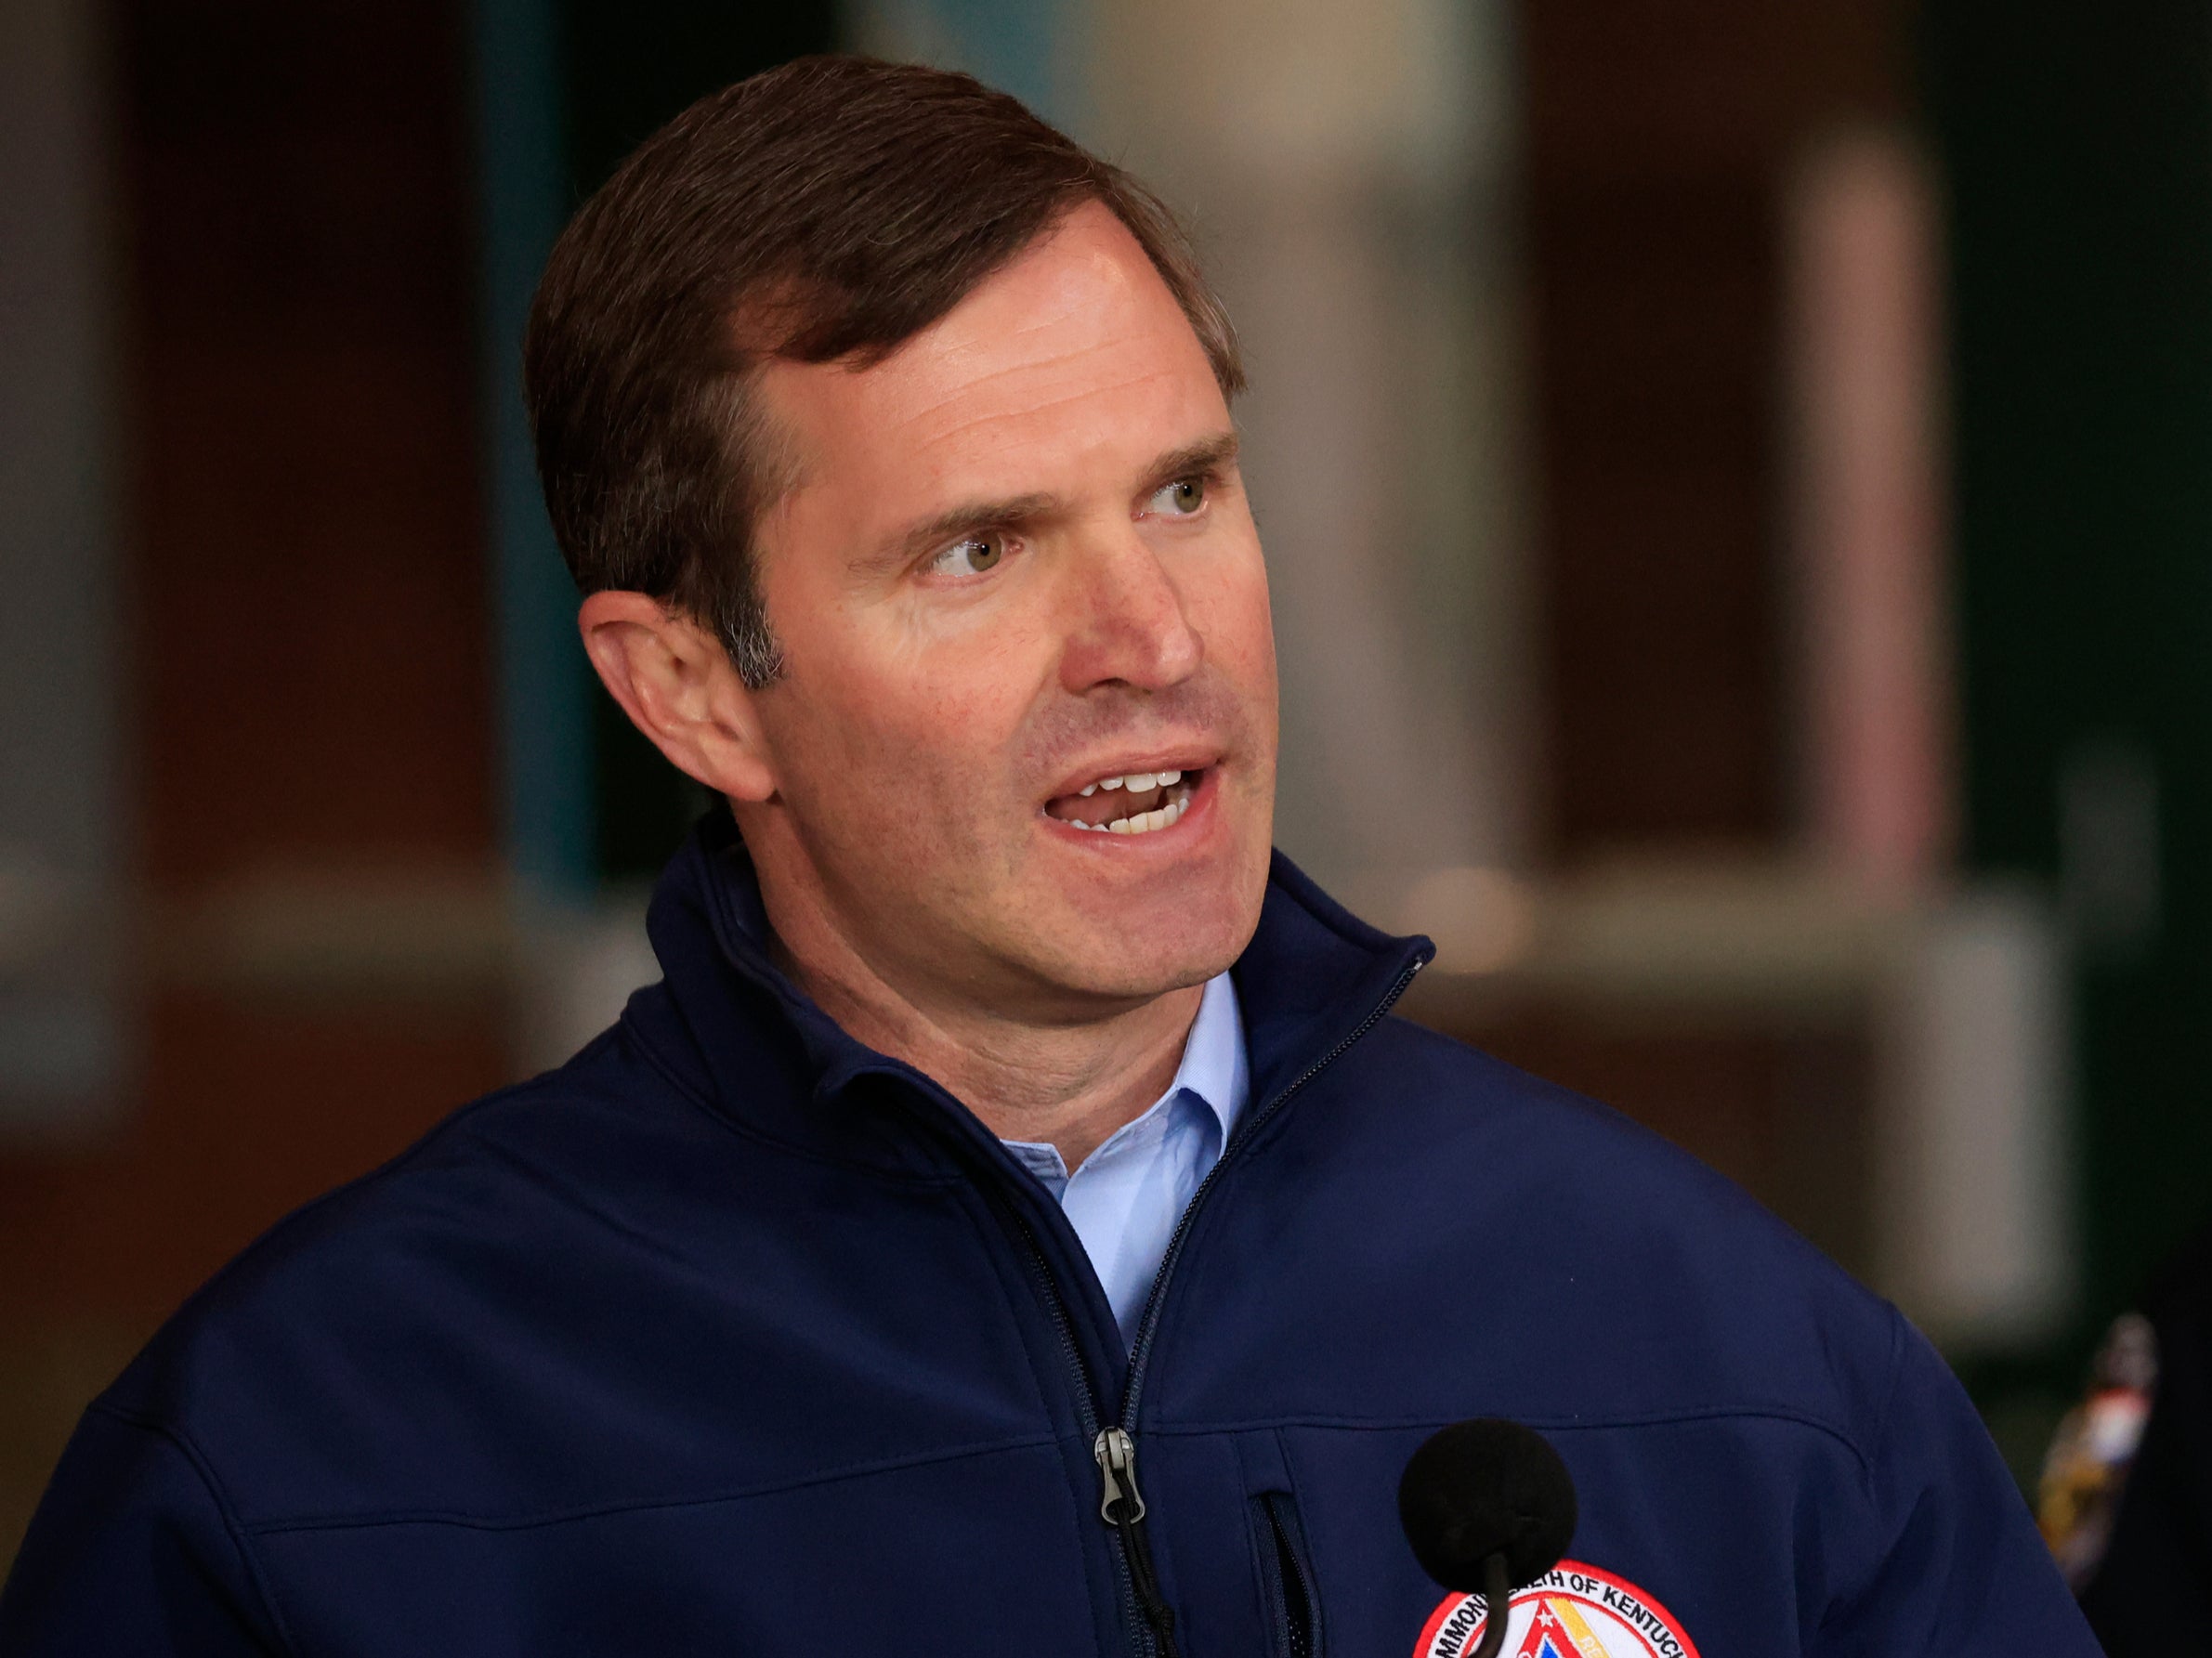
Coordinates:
x,y
1312,977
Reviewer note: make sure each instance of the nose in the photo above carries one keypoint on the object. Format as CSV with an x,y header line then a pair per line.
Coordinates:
x,y
1128,622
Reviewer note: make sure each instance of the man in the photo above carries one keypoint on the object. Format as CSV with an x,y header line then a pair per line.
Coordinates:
x,y
1015,1224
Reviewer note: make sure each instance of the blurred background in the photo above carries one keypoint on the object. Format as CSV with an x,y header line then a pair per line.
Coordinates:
x,y
1738,478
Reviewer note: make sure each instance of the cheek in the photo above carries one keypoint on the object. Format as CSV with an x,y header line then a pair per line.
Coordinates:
x,y
948,712
891,765
1238,626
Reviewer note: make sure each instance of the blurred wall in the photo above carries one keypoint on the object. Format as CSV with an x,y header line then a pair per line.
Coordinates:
x,y
1351,173
304,682
63,1027
1660,149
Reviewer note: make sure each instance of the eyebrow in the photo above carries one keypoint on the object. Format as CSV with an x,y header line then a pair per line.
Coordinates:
x,y
1208,454
966,519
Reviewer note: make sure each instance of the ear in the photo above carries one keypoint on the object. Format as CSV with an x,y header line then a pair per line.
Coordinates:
x,y
678,686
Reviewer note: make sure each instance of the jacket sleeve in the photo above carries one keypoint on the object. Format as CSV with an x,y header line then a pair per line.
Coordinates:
x,y
131,1552
1952,1562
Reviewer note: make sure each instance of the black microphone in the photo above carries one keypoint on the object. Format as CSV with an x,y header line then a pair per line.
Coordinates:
x,y
1488,1508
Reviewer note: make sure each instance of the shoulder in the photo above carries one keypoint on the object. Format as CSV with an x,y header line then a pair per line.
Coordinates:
x,y
1550,1144
1414,1093
299,1374
1634,1278
1576,1150
499,1161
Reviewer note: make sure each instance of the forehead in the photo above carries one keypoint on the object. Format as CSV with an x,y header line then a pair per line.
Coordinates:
x,y
1074,355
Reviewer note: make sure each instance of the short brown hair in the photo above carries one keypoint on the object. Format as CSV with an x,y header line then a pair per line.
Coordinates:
x,y
828,209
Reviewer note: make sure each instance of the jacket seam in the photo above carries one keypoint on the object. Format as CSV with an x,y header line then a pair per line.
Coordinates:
x,y
337,1522
234,1528
1870,1476
1548,1424
1881,1411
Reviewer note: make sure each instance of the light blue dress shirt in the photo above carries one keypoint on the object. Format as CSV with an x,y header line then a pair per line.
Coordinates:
x,y
1127,1196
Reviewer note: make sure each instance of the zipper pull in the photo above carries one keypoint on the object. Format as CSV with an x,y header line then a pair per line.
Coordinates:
x,y
1116,1454
1123,1508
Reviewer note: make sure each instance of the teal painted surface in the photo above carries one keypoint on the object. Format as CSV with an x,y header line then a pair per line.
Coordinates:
x,y
1022,47
544,689
1027,48
626,68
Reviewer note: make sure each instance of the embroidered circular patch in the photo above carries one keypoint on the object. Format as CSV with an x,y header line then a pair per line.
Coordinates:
x,y
1572,1612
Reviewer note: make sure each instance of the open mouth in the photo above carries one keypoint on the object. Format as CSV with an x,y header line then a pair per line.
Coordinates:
x,y
1132,803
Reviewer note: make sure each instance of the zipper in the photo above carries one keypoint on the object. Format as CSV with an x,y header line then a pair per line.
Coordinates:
x,y
1121,1505
1133,1611
1141,1349
1296,1607
1113,1446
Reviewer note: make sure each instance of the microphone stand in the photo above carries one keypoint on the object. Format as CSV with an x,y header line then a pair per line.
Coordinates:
x,y
1498,1596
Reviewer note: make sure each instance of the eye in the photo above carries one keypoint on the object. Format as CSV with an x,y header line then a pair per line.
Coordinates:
x,y
970,555
1178,500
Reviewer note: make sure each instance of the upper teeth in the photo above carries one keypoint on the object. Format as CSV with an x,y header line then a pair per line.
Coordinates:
x,y
1140,781
1132,822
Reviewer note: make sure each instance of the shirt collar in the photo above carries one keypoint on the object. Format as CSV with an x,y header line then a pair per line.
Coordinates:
x,y
1214,1066
1214,1072
1312,977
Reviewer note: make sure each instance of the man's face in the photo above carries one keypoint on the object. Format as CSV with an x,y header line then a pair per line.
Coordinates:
x,y
1018,565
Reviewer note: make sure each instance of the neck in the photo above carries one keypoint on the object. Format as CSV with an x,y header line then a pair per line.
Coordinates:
x,y
1068,1083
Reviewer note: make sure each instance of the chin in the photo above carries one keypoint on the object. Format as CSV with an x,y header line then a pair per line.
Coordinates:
x,y
1169,949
